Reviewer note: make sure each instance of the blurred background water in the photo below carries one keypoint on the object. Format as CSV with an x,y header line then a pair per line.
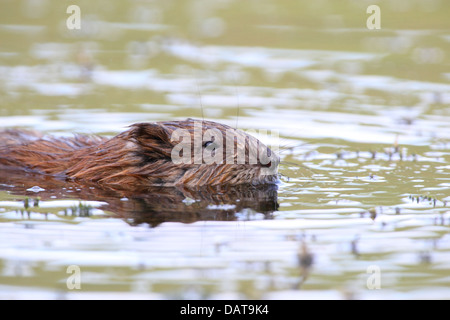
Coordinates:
x,y
366,112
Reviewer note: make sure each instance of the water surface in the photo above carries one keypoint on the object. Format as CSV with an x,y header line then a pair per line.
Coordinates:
x,y
363,118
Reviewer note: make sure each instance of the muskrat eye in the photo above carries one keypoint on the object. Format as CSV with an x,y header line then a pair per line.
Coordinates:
x,y
207,143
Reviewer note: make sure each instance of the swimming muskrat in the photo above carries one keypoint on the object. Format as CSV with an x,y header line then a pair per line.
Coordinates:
x,y
143,156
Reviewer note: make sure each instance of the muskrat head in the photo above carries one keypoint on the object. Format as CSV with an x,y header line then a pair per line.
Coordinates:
x,y
198,153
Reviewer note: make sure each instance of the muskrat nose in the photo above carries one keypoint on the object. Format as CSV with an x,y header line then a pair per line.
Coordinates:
x,y
269,159
267,165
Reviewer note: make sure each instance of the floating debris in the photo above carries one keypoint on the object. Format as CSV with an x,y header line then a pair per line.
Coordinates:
x,y
305,261
354,246
425,257
36,189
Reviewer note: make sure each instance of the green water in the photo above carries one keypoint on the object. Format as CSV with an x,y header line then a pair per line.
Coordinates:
x,y
363,118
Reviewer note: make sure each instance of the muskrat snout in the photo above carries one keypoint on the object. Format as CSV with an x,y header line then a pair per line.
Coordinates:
x,y
219,146
268,165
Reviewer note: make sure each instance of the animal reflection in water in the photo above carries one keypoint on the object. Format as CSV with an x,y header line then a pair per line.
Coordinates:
x,y
157,204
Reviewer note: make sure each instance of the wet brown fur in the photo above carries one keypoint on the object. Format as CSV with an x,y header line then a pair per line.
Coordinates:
x,y
134,159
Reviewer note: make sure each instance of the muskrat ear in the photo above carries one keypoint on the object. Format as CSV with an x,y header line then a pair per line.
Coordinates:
x,y
153,140
152,132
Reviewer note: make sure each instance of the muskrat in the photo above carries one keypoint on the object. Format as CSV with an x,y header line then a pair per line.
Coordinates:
x,y
143,156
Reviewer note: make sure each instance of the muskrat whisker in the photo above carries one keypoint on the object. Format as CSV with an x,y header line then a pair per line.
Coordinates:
x,y
288,147
313,179
297,165
238,106
199,96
